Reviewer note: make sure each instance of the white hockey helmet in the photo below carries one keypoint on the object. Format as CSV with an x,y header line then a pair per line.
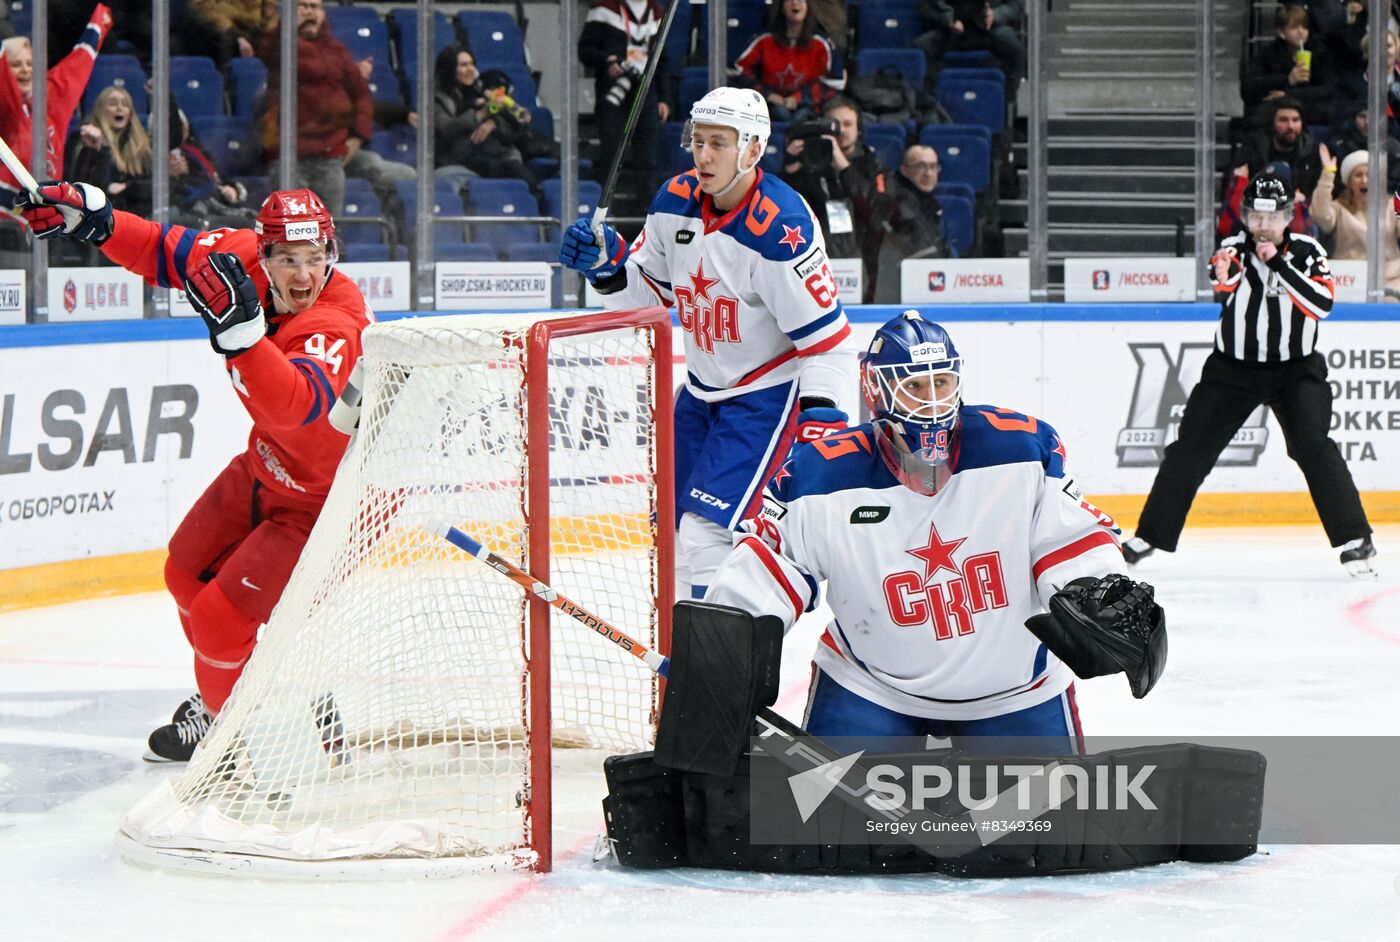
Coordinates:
x,y
742,109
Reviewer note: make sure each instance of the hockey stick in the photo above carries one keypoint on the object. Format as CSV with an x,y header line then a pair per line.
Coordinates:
x,y
798,750
600,212
17,169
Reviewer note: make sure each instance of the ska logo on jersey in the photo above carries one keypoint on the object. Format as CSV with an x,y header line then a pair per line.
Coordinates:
x,y
914,597
708,316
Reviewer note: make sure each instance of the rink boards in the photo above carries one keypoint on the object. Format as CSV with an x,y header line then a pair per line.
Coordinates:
x,y
109,430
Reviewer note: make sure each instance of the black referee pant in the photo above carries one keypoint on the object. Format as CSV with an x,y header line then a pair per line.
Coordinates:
x,y
1229,390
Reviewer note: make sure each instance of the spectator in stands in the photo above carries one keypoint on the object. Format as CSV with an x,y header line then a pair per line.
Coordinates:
x,y
7,29
113,152
467,132
793,66
838,175
66,82
614,42
975,26
907,221
225,29
1293,65
1353,86
199,197
831,20
1283,141
1344,218
335,111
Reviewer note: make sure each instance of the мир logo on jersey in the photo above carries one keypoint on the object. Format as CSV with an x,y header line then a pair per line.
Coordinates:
x,y
1159,399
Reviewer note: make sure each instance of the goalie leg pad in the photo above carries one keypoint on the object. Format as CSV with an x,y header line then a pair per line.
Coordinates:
x,y
724,667
1208,807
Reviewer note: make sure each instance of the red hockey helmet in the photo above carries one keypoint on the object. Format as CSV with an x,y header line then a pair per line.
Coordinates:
x,y
294,216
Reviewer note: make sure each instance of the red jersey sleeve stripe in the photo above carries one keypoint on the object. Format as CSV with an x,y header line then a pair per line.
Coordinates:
x,y
1077,548
765,556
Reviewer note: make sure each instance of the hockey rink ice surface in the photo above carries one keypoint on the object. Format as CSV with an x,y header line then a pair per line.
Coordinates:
x,y
1268,636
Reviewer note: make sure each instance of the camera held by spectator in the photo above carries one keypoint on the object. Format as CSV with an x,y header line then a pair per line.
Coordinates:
x,y
622,87
817,132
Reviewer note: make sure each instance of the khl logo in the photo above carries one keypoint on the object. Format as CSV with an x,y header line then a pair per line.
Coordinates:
x,y
1159,399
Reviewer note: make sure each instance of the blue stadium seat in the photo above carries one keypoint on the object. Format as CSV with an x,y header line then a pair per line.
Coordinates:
x,y
695,82
967,57
671,158
360,221
531,252
230,141
466,252
973,101
496,201
743,22
887,24
772,159
966,156
909,63
677,46
197,84
384,84
959,225
952,188
447,201
122,71
403,27
397,143
363,252
495,190
889,141
589,192
249,79
985,73
361,30
493,37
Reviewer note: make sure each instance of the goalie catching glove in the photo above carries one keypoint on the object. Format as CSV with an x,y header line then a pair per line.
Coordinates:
x,y
1106,626
226,297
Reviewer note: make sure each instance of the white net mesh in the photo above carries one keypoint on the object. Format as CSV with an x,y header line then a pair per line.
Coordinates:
x,y
384,710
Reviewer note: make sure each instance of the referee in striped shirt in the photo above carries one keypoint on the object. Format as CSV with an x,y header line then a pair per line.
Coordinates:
x,y
1274,286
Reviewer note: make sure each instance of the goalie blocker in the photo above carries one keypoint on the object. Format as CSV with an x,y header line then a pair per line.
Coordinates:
x,y
689,803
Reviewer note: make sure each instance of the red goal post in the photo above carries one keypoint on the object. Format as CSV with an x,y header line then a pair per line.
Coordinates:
x,y
400,710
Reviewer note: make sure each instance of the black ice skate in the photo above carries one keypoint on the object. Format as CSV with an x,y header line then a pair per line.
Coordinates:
x,y
1357,557
177,741
1135,549
190,708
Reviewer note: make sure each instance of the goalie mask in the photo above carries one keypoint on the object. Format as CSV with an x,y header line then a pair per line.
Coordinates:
x,y
1267,207
911,376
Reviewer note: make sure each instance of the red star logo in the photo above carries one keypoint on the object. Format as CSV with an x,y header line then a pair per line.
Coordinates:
x,y
789,78
783,474
792,237
937,554
700,283
1059,449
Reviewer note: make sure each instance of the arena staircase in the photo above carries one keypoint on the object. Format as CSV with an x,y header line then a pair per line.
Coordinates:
x,y
1121,127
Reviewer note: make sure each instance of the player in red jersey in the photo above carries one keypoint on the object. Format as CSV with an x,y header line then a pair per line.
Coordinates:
x,y
288,326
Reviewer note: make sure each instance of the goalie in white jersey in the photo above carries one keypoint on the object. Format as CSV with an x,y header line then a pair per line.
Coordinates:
x,y
739,255
944,532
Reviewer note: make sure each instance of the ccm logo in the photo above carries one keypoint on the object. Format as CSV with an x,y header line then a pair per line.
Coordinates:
x,y
710,499
303,232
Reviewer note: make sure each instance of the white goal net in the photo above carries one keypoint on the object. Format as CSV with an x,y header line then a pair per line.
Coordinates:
x,y
393,707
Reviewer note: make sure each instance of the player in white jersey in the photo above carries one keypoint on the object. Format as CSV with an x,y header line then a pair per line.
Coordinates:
x,y
944,531
739,255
